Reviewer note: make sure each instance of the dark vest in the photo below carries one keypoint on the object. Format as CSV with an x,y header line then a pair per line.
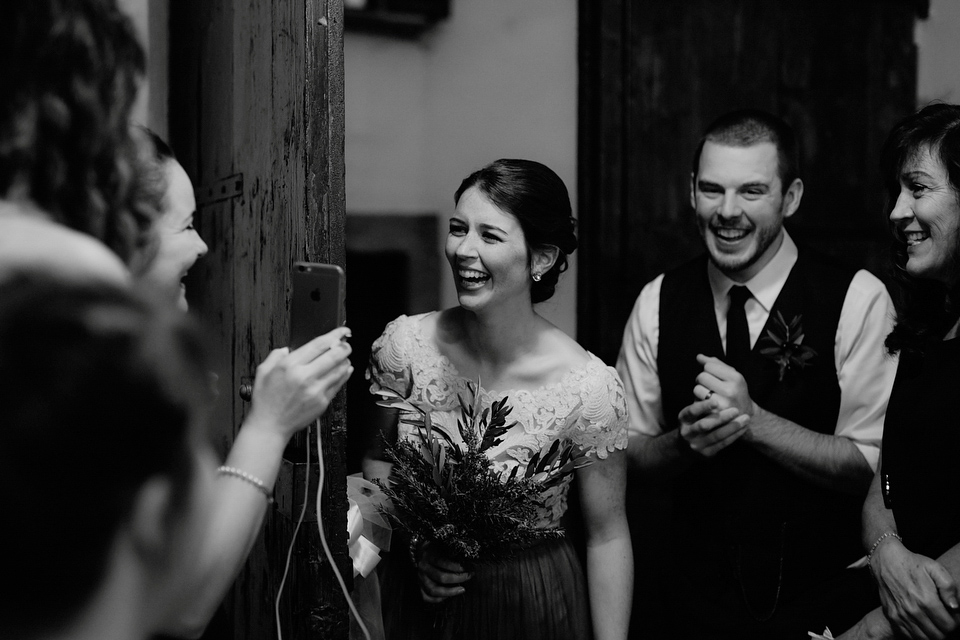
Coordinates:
x,y
764,534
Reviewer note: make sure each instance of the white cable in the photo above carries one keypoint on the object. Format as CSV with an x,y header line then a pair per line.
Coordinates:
x,y
293,539
323,538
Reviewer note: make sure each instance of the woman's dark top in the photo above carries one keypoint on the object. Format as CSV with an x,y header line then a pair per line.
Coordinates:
x,y
921,450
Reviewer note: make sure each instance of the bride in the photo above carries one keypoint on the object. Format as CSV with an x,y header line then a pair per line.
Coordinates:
x,y
507,245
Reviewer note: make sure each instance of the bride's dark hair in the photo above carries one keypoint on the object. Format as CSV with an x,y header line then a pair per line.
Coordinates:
x,y
538,198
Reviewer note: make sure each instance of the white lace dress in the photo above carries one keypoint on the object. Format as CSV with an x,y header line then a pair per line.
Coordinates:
x,y
586,406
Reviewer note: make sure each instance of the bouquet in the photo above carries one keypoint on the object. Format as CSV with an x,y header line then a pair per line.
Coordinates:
x,y
451,494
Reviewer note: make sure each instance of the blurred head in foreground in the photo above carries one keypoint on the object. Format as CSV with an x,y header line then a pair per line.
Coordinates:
x,y
103,458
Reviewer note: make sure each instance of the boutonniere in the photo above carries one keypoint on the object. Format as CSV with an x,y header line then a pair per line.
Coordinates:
x,y
787,348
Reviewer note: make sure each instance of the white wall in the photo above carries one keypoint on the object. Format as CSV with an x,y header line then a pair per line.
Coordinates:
x,y
150,17
497,79
386,103
938,59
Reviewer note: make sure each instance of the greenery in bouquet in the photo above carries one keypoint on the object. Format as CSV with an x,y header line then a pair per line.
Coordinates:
x,y
449,492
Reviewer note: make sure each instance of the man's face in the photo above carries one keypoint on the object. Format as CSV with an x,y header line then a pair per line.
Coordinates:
x,y
741,206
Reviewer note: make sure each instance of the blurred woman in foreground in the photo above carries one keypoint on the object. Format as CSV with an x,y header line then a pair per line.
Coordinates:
x,y
104,464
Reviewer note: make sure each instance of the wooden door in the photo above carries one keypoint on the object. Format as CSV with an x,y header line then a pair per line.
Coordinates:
x,y
256,117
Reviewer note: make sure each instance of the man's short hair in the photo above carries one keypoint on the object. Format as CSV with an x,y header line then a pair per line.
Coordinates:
x,y
747,127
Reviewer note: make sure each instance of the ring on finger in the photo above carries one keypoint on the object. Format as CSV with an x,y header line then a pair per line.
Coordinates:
x,y
709,395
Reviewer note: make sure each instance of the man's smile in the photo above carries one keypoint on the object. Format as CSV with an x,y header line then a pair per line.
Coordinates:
x,y
730,234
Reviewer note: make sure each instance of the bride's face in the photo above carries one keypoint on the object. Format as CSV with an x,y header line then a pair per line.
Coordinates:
x,y
488,253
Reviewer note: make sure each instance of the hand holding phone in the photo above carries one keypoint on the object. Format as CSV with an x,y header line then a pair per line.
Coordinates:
x,y
293,386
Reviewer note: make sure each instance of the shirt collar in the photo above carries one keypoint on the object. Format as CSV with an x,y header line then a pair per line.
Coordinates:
x,y
766,285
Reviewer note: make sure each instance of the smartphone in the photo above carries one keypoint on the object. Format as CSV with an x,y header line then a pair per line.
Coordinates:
x,y
317,306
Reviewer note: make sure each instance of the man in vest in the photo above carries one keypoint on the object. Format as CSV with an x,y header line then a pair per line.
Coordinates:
x,y
757,382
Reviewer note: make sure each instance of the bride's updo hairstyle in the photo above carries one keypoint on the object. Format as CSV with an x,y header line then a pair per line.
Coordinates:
x,y
537,197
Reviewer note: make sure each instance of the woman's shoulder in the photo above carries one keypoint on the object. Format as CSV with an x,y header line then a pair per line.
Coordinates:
x,y
595,397
404,327
406,359
568,353
565,347
32,241
602,408
404,339
577,369
596,377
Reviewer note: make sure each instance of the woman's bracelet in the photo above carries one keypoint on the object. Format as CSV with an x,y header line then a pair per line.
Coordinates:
x,y
246,477
888,534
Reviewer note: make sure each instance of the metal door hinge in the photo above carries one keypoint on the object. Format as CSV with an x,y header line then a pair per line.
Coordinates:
x,y
229,187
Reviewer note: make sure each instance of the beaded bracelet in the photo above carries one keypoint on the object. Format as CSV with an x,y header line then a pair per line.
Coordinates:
x,y
246,477
876,544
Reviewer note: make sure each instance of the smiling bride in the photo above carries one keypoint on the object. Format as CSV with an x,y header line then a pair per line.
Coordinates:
x,y
508,243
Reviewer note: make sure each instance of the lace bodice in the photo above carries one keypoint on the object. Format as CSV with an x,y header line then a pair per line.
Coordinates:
x,y
586,406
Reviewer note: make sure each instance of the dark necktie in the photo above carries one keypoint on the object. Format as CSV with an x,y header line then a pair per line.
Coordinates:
x,y
738,333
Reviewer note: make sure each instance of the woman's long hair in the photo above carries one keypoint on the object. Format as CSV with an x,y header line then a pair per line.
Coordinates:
x,y
926,309
69,74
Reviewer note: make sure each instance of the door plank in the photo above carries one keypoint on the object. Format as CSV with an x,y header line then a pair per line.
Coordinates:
x,y
264,82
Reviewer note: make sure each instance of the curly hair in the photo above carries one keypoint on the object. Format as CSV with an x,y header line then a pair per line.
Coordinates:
x,y
538,198
926,309
68,79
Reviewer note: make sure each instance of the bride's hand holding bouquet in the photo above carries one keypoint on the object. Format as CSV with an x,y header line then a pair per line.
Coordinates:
x,y
440,577
457,508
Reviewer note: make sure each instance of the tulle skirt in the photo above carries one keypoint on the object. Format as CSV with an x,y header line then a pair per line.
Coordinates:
x,y
539,595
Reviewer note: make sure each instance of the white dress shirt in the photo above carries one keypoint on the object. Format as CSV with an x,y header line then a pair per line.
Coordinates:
x,y
865,371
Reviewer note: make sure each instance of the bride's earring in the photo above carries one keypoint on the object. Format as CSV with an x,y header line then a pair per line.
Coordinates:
x,y
536,275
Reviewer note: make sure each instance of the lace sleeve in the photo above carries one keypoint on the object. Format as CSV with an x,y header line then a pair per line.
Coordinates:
x,y
389,359
602,425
